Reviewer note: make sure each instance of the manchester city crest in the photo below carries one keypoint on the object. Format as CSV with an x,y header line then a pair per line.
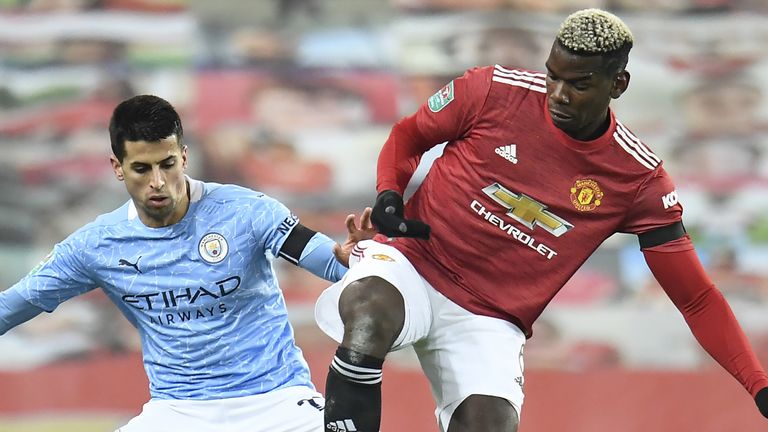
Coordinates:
x,y
213,248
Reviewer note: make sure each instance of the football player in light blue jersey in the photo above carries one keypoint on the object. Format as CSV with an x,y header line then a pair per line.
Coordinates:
x,y
190,265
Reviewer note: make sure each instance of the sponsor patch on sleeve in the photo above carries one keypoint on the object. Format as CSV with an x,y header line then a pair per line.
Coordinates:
x,y
670,200
40,265
442,98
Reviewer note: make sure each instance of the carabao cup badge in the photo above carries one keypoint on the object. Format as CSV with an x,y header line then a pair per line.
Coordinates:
x,y
213,248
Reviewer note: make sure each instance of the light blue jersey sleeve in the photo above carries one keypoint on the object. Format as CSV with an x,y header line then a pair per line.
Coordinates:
x,y
272,222
59,277
15,310
317,256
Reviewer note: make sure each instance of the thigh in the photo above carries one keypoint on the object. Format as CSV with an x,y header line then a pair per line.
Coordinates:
x,y
480,413
383,261
165,416
466,354
292,409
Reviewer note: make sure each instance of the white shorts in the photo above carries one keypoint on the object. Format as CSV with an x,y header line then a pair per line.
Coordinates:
x,y
461,353
290,409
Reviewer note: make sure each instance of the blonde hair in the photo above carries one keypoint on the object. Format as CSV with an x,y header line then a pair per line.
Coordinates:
x,y
594,31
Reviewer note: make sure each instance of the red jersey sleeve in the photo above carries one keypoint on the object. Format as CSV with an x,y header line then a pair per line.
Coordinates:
x,y
655,205
448,115
677,268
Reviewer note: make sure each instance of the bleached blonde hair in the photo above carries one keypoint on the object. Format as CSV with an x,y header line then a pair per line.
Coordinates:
x,y
594,31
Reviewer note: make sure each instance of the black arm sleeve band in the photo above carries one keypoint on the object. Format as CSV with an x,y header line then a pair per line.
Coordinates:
x,y
661,235
295,243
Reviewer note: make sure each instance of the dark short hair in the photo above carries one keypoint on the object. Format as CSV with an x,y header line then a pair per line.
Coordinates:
x,y
143,118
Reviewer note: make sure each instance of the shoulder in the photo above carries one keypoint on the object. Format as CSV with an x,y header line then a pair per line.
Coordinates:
x,y
502,87
636,155
479,73
218,193
116,217
225,192
233,196
90,235
518,80
513,88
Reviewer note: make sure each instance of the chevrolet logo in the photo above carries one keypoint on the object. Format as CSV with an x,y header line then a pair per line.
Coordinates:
x,y
527,211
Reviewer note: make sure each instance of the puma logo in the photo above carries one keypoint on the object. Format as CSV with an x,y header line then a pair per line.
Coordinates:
x,y
313,402
125,262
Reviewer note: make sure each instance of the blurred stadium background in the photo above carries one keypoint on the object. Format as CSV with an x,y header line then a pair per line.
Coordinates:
x,y
294,98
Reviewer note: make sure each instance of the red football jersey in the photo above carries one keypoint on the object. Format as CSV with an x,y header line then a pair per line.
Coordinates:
x,y
516,206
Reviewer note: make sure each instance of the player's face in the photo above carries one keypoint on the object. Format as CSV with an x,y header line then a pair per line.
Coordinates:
x,y
578,92
154,177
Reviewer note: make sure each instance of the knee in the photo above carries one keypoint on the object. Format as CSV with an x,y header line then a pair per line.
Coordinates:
x,y
373,313
484,413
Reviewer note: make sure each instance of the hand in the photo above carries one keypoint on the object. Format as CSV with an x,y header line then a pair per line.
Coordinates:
x,y
761,399
354,234
389,220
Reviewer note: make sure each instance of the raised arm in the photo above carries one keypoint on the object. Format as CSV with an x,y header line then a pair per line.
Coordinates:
x,y
447,116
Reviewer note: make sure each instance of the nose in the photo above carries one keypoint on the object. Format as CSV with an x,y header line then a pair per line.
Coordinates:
x,y
158,179
558,94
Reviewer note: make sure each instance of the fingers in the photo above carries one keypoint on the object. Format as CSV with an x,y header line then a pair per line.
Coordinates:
x,y
365,222
365,219
350,223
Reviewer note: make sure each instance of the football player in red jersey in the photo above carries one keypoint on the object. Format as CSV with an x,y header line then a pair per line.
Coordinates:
x,y
536,174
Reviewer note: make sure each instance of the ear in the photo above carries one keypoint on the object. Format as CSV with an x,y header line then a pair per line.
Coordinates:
x,y
117,168
184,157
620,84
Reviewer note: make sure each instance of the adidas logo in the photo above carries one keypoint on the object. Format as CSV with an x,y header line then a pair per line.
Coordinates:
x,y
508,152
341,426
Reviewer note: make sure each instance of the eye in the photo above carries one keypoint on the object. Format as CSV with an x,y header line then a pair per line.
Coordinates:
x,y
140,169
167,165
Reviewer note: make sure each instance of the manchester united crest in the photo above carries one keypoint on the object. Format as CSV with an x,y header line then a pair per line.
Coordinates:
x,y
586,195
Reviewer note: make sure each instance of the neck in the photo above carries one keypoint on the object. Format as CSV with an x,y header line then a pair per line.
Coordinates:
x,y
594,131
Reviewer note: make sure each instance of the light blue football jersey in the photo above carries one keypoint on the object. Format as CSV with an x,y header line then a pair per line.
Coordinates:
x,y
201,292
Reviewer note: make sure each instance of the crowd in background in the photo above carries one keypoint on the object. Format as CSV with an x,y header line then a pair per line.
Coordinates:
x,y
295,97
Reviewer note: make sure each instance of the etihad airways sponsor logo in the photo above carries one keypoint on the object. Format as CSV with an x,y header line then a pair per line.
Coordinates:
x,y
180,298
179,317
512,230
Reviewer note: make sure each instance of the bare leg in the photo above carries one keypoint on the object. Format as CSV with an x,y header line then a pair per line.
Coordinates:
x,y
373,313
484,413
